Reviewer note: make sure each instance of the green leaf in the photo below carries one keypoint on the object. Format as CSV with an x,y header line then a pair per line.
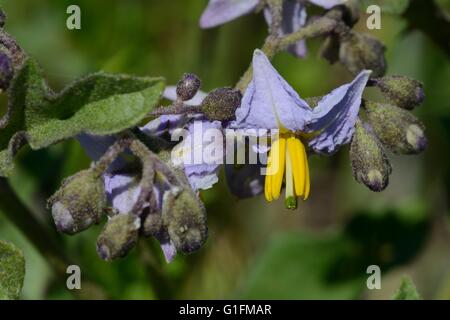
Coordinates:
x,y
407,291
12,271
99,104
388,6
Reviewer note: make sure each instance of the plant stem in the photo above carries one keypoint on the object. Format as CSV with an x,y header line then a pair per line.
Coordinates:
x,y
275,44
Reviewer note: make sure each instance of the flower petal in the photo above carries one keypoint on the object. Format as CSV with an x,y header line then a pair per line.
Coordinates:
x,y
122,191
96,146
269,101
169,250
170,93
335,116
165,124
221,11
246,181
294,17
193,154
327,4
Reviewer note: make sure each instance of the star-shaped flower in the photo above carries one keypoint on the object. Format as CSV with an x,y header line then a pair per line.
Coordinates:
x,y
271,103
294,15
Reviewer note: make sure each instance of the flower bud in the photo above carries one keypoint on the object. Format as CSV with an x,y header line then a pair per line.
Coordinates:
x,y
79,203
352,9
188,86
396,128
153,225
330,49
404,92
362,52
184,217
221,104
370,164
6,71
119,236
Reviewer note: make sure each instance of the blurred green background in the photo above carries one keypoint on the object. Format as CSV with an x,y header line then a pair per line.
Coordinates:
x,y
255,249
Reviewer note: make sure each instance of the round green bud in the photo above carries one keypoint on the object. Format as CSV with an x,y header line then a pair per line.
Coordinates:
x,y
397,128
188,86
221,104
184,217
79,203
362,52
404,92
370,164
118,237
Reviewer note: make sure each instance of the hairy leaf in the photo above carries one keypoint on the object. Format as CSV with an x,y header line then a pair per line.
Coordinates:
x,y
12,271
99,104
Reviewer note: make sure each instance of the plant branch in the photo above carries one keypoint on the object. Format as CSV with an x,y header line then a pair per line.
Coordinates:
x,y
274,44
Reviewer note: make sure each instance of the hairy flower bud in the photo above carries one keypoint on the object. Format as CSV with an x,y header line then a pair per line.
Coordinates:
x,y
362,52
330,49
396,128
370,164
352,9
404,92
221,104
184,217
118,236
349,11
188,86
79,203
153,225
6,71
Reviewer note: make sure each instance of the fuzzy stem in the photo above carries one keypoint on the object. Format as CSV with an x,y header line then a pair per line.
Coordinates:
x,y
273,45
148,173
276,9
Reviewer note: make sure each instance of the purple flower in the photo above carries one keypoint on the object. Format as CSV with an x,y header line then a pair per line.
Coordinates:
x,y
201,174
294,15
270,103
170,93
221,11
191,154
327,4
123,190
294,18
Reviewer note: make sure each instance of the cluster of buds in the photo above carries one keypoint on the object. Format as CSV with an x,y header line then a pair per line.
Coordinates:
x,y
355,51
219,104
166,207
391,127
